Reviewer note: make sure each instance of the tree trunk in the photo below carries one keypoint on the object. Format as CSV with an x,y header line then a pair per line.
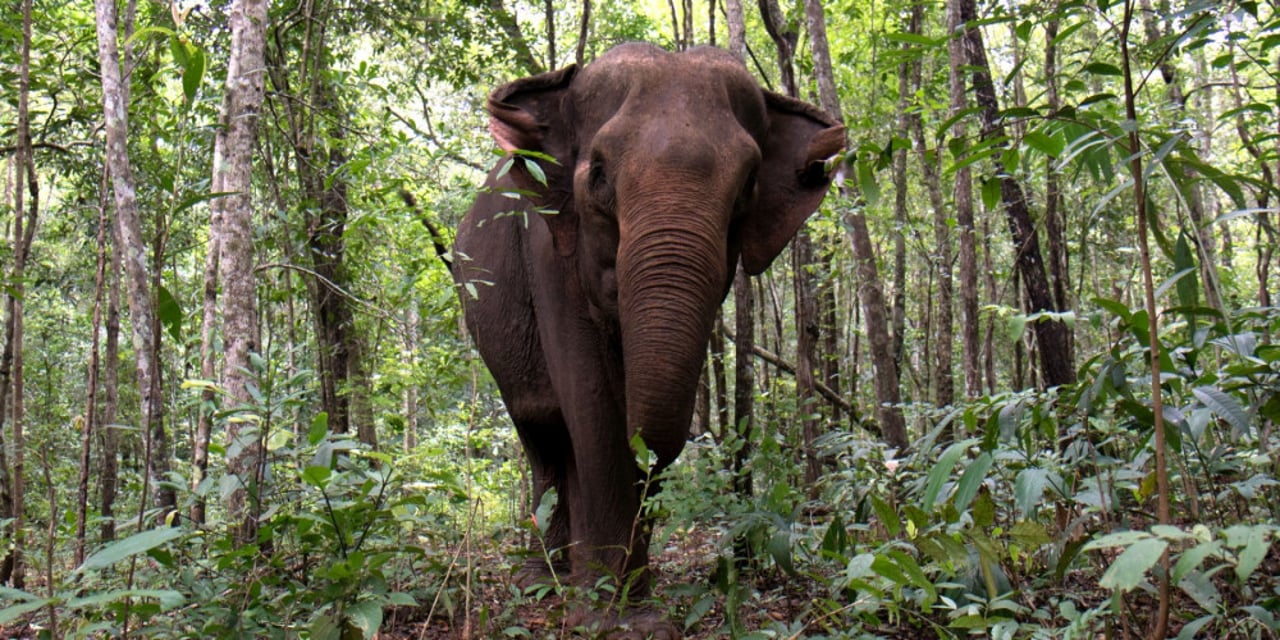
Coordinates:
x,y
233,215
962,196
1052,336
899,315
91,426
131,244
888,398
734,21
744,378
584,30
12,567
1055,223
319,154
110,445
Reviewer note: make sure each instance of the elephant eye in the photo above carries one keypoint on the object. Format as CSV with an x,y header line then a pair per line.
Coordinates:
x,y
596,176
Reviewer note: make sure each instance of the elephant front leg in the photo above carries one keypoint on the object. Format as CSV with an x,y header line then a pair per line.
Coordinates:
x,y
609,534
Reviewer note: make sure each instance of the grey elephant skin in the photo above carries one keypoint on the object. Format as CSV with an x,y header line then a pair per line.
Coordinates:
x,y
591,283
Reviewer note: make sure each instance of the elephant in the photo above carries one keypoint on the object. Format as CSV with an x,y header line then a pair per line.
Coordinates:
x,y
592,264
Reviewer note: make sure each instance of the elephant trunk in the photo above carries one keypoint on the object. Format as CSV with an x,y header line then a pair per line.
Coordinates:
x,y
671,275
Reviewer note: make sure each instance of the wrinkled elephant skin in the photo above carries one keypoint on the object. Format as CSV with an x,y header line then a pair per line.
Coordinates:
x,y
591,282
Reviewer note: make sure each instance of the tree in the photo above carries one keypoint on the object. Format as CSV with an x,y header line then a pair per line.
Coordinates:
x,y
128,233
888,394
1052,334
231,237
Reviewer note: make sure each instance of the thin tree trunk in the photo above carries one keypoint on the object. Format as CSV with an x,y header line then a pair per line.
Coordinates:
x,y
549,7
24,166
720,378
744,377
507,22
413,323
802,267
737,29
584,30
1195,197
962,196
91,426
129,233
232,158
871,293
1052,336
899,314
110,445
1054,216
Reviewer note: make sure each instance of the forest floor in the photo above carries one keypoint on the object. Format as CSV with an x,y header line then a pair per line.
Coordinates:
x,y
684,570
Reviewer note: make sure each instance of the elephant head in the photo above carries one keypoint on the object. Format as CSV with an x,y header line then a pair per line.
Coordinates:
x,y
669,168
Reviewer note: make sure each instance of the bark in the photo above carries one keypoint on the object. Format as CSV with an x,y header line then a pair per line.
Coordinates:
x,y
744,378
802,266
871,293
319,151
784,39
110,438
719,375
962,197
128,231
12,569
549,8
1265,237
1194,191
233,217
1052,336
898,318
584,30
737,29
1054,216
507,22
91,426
743,381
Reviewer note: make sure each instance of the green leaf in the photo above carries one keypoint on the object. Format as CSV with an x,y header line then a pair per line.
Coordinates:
x,y
836,541
535,171
1255,549
1129,569
170,313
1102,69
167,598
193,71
991,193
887,515
972,479
319,428
1224,406
365,615
546,506
317,475
780,550
1028,489
942,471
1190,559
1051,146
131,546
867,183
15,611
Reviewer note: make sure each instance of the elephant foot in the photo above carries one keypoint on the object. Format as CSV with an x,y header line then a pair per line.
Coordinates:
x,y
538,571
639,624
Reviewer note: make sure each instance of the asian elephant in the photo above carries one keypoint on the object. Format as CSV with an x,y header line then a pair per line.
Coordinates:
x,y
591,279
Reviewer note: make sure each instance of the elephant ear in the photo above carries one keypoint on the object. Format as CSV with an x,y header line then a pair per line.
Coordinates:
x,y
529,115
792,180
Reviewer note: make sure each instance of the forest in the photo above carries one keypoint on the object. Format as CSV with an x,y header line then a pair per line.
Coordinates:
x,y
1016,377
